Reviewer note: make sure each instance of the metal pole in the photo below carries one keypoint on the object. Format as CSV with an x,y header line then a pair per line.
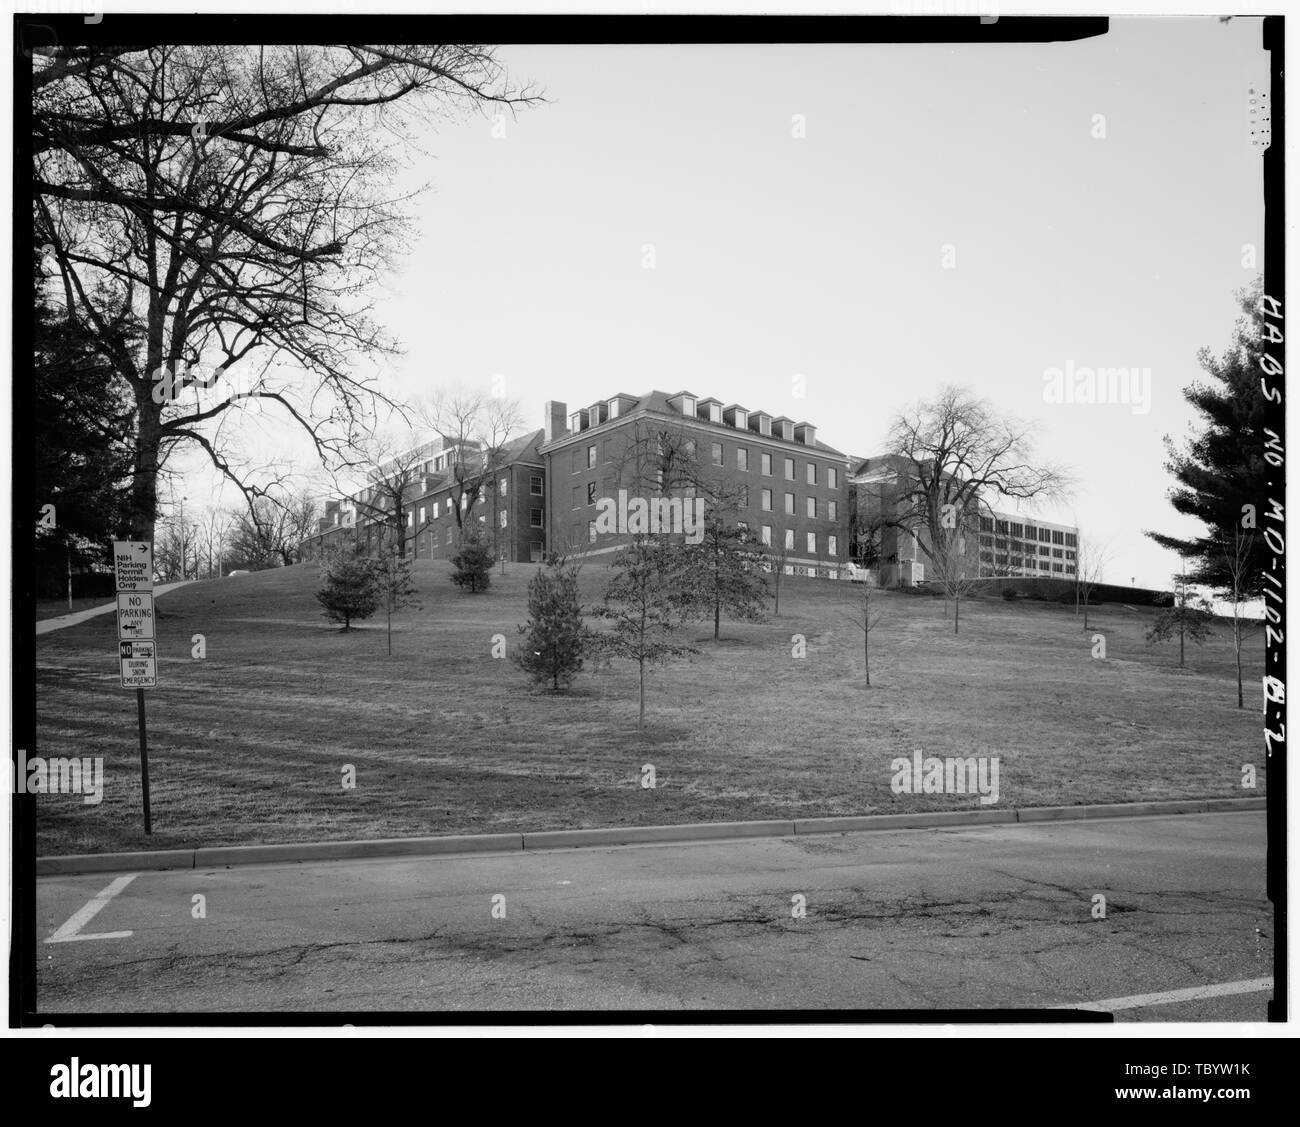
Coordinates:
x,y
144,760
69,577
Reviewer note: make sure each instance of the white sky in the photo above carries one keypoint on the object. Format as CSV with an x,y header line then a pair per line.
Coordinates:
x,y
822,256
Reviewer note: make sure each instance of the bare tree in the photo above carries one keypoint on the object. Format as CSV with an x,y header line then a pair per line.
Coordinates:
x,y
236,202
270,533
476,429
394,469
1238,553
1090,560
954,569
953,457
866,618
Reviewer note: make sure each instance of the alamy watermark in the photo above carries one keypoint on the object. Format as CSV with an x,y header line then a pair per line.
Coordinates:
x,y
638,516
1131,386
953,775
84,776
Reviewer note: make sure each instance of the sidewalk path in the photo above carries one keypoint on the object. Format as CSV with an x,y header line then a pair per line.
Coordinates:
x,y
45,626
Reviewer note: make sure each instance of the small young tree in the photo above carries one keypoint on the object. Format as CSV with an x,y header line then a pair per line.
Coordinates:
x,y
472,564
350,589
1237,551
954,570
866,618
643,602
1090,559
392,572
1189,617
555,638
777,555
722,574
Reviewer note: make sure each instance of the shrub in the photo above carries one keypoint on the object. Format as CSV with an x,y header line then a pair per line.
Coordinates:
x,y
350,589
555,638
1010,593
472,565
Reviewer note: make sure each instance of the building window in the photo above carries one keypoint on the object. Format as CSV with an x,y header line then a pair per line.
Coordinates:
x,y
812,473
789,504
591,531
765,500
1058,567
715,450
832,510
577,460
502,485
811,507
789,469
789,539
591,457
503,518
448,534
577,497
744,495
765,534
435,510
765,465
832,545
1071,541
535,485
591,493
534,553
410,519
422,520
1058,552
1058,537
812,543
832,477
742,458
986,524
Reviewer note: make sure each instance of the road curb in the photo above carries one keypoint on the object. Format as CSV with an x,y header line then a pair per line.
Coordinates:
x,y
209,857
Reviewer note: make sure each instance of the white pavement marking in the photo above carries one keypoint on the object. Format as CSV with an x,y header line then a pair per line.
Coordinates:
x,y
70,930
1166,997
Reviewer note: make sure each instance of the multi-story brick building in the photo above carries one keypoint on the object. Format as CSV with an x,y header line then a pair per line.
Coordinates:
x,y
782,483
803,498
508,507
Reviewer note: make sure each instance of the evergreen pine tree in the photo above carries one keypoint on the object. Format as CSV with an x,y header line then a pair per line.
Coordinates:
x,y
555,638
472,564
350,589
1222,473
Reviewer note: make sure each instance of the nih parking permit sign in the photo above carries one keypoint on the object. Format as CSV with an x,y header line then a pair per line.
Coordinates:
x,y
139,665
133,565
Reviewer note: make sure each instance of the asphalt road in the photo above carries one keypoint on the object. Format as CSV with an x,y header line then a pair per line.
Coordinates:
x,y
982,917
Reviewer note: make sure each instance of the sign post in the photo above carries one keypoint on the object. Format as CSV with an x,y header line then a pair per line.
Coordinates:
x,y
133,570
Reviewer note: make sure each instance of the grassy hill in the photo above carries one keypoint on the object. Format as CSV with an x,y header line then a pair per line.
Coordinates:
x,y
249,745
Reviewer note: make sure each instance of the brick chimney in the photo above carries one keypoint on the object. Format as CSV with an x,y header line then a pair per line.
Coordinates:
x,y
555,426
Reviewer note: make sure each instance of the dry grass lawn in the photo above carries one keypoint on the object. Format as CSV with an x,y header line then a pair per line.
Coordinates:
x,y
250,744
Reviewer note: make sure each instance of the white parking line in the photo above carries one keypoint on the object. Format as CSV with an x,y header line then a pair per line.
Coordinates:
x,y
70,931
1165,997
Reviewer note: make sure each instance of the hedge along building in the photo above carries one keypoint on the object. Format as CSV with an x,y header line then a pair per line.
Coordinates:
x,y
500,497
769,474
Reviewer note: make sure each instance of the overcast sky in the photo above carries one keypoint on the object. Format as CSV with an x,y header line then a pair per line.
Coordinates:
x,y
824,255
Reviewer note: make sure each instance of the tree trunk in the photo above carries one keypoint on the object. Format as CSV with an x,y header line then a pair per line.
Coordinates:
x,y
717,617
956,614
640,721
866,647
1181,633
1236,645
144,485
390,631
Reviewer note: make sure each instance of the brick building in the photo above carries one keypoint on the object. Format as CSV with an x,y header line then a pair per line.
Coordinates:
x,y
784,485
